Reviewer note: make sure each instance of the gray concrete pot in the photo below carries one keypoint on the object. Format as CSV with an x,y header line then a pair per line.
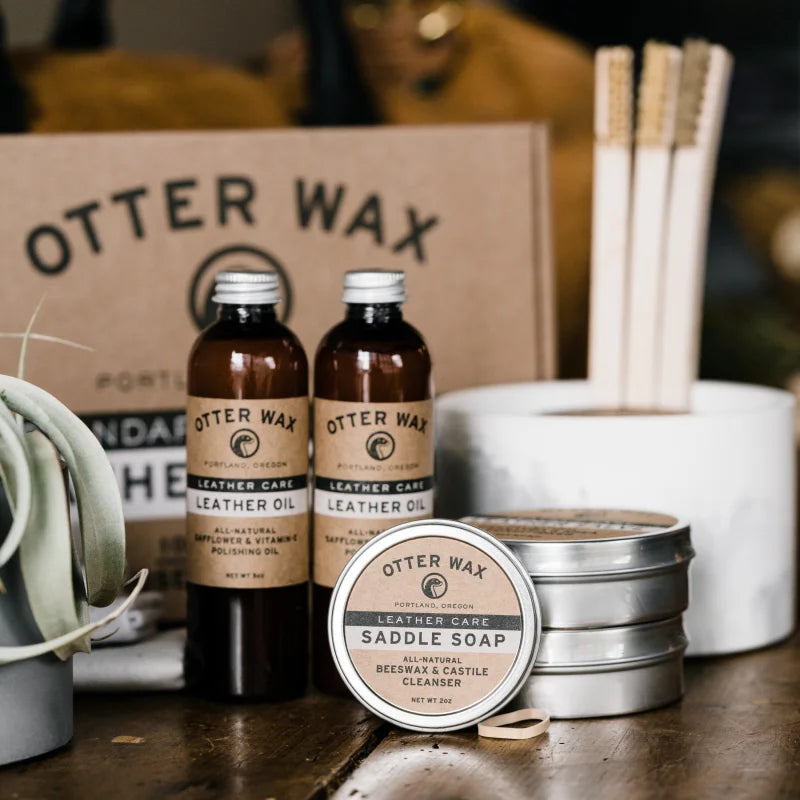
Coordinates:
x,y
35,695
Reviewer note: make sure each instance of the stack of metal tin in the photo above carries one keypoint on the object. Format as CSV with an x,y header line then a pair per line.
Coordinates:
x,y
612,587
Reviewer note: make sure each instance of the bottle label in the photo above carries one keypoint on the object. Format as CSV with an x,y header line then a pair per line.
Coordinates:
x,y
433,625
373,465
247,492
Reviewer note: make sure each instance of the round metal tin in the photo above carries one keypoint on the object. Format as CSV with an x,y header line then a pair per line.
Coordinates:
x,y
599,568
434,625
608,671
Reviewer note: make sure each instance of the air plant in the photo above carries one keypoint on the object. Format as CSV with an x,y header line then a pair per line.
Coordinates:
x,y
60,582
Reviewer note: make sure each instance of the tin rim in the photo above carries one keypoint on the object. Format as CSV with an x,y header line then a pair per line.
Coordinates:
x,y
604,649
514,678
664,548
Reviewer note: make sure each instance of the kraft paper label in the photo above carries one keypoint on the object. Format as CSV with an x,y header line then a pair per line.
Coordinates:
x,y
373,465
247,492
433,625
570,524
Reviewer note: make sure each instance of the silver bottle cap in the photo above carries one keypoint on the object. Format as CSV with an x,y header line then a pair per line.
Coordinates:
x,y
374,286
246,287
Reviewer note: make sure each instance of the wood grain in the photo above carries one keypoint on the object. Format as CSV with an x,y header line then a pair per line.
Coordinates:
x,y
197,750
736,734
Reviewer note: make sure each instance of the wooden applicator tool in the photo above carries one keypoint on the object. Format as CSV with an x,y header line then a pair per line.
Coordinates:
x,y
652,162
613,119
701,107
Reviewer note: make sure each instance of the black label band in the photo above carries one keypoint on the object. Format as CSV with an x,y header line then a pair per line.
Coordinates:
x,y
466,621
134,430
246,485
408,486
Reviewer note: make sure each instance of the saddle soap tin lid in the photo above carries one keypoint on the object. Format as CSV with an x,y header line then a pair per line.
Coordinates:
x,y
434,625
571,542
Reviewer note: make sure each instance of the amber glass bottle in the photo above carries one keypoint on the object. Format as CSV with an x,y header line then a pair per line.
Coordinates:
x,y
247,499
373,437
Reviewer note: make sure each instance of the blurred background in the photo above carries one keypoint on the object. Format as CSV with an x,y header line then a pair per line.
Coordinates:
x,y
166,64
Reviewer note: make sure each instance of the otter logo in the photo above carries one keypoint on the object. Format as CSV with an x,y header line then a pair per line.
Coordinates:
x,y
236,256
434,585
245,443
380,445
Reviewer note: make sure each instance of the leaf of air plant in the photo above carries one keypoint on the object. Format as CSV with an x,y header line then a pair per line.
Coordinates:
x,y
16,479
43,337
99,504
45,552
23,350
25,651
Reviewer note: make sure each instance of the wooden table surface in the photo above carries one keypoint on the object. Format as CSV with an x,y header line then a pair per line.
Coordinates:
x,y
735,734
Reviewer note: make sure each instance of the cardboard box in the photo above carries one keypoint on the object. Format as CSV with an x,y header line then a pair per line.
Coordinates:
x,y
123,235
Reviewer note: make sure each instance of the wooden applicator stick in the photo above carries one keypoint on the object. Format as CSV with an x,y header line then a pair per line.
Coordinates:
x,y
610,216
701,108
655,135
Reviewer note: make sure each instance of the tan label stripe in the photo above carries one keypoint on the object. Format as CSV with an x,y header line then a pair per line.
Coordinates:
x,y
247,492
373,464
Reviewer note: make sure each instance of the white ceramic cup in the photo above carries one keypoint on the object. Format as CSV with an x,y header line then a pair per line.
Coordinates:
x,y
728,468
